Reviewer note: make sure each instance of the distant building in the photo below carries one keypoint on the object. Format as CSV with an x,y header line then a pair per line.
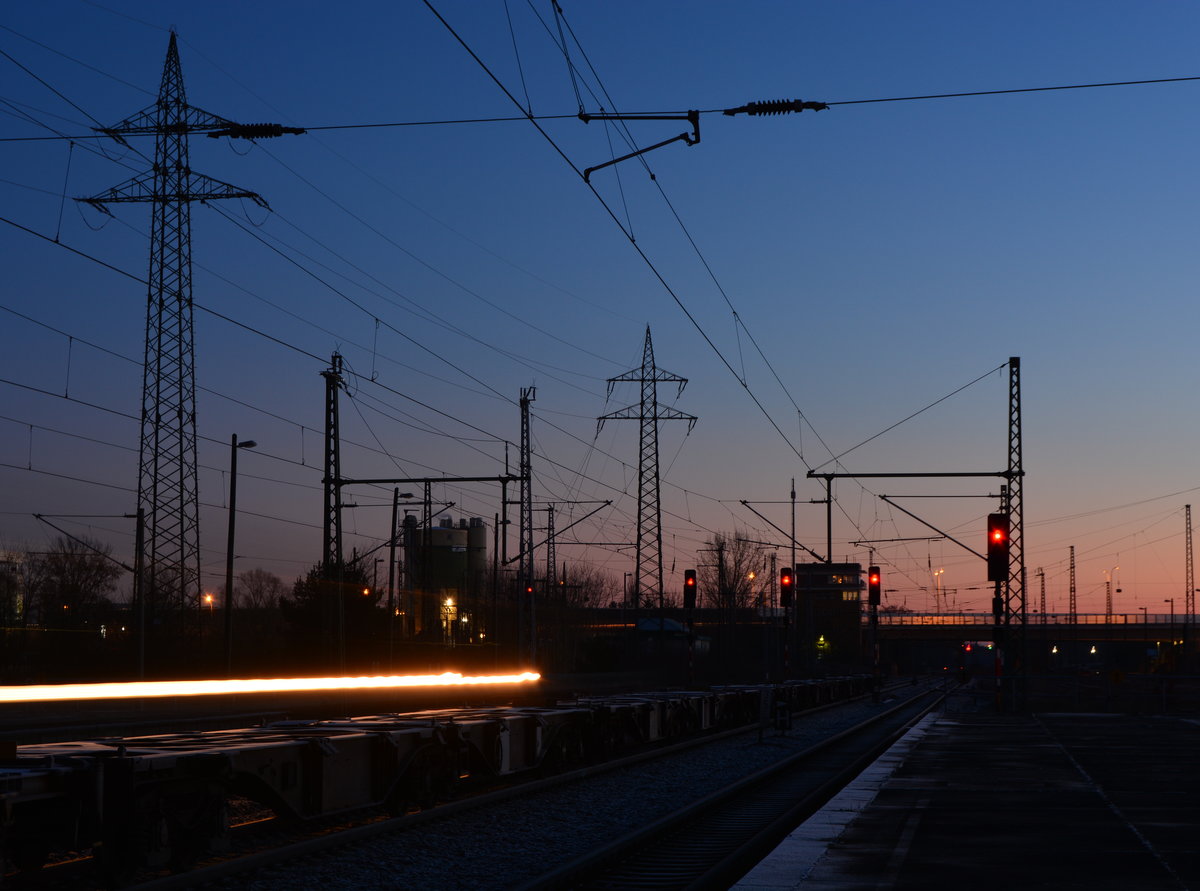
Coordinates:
x,y
445,570
829,596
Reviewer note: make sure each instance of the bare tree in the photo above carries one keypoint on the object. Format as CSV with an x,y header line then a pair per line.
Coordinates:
x,y
257,589
10,588
731,571
585,585
73,581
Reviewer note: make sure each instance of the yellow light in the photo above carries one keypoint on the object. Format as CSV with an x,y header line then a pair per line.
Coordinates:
x,y
150,689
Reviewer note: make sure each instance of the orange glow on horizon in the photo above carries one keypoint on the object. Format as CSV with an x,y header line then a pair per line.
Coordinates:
x,y
150,689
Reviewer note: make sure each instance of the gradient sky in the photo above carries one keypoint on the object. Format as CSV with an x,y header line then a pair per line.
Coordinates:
x,y
879,256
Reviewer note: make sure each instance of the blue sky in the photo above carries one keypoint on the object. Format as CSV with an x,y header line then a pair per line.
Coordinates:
x,y
880,256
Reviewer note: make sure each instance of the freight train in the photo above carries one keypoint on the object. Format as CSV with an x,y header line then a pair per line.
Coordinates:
x,y
163,801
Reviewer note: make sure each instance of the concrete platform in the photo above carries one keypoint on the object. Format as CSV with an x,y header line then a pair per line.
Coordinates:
x,y
974,800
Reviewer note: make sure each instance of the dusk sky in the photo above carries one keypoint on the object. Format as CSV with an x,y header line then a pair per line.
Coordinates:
x,y
850,267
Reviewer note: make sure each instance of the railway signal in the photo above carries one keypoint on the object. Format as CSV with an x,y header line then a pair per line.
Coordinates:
x,y
997,547
786,583
689,589
873,585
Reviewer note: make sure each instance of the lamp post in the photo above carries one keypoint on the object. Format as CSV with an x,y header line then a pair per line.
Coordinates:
x,y
233,455
1171,600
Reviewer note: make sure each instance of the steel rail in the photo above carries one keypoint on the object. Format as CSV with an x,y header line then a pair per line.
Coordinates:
x,y
715,840
221,869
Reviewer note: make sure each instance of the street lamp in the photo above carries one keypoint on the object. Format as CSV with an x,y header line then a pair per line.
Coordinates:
x,y
1171,600
233,453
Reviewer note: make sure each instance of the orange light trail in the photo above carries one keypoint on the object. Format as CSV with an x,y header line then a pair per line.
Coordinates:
x,y
148,689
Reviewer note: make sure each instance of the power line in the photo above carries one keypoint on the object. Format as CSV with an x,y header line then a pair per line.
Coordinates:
x,y
556,117
1116,83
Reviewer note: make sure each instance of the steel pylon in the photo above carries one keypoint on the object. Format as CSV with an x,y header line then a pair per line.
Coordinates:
x,y
648,568
167,489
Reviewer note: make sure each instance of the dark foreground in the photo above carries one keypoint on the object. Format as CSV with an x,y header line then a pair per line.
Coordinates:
x,y
986,801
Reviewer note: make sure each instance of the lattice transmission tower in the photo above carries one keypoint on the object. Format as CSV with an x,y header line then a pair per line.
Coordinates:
x,y
167,449
648,568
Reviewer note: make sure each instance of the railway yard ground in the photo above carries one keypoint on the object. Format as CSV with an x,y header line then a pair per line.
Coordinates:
x,y
926,786
975,799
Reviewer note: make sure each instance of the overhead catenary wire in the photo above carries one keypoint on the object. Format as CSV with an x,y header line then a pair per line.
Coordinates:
x,y
894,99
317,359
552,117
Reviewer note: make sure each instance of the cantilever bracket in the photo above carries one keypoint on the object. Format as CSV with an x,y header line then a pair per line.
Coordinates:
x,y
692,117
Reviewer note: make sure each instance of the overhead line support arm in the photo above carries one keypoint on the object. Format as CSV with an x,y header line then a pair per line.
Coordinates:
x,y
934,528
692,117
790,538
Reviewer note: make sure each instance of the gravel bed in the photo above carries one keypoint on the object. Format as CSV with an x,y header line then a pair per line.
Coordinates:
x,y
510,843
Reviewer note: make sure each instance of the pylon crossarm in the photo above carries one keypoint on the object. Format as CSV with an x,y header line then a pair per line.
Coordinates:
x,y
149,121
630,412
142,188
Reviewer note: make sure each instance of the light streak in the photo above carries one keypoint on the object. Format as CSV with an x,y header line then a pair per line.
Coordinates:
x,y
150,689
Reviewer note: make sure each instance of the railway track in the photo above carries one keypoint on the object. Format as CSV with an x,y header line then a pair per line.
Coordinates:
x,y
496,830
390,850
717,839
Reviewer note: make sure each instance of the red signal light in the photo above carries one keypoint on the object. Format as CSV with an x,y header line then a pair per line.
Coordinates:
x,y
873,585
689,589
997,547
786,581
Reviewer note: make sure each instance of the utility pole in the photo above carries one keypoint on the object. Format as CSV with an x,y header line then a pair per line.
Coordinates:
x,y
1014,586
648,566
525,539
391,613
332,568
167,487
1072,609
1189,573
331,527
551,570
791,627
